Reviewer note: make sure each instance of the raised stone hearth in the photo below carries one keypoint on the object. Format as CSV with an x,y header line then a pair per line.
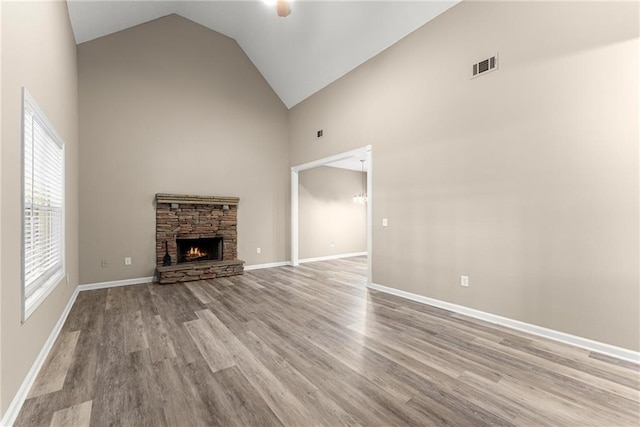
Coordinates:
x,y
193,218
199,270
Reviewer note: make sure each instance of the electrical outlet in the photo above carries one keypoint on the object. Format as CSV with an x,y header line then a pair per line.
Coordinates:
x,y
332,244
258,250
464,281
385,222
127,260
104,263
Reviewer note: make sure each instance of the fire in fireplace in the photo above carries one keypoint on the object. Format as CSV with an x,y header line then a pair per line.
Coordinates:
x,y
190,250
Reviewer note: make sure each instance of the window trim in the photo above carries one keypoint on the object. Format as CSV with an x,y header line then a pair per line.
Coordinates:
x,y
30,305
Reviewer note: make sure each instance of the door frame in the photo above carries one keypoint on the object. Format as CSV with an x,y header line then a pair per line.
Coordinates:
x,y
367,151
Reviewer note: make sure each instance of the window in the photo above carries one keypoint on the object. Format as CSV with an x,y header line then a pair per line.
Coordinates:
x,y
42,206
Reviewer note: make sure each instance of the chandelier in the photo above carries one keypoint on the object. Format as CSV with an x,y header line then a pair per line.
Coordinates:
x,y
362,196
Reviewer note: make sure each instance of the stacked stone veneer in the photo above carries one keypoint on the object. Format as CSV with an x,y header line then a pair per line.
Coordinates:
x,y
194,217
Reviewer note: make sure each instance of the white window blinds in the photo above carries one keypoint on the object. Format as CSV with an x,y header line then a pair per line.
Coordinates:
x,y
43,189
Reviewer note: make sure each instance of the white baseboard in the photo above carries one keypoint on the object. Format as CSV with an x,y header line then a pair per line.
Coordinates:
x,y
289,263
18,400
330,257
115,283
598,347
269,265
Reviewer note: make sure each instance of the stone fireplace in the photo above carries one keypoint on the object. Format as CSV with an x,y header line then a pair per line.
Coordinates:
x,y
200,236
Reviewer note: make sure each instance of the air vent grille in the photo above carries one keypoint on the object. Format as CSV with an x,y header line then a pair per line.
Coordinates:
x,y
485,66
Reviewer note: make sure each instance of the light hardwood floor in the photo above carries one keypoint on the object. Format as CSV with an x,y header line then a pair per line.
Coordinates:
x,y
311,346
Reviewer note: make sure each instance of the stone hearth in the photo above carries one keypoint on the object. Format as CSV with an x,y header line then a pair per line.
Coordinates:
x,y
196,217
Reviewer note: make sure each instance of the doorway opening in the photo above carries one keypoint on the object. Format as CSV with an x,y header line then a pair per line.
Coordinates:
x,y
364,153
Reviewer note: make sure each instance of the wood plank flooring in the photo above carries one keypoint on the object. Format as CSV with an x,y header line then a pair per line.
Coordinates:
x,y
310,346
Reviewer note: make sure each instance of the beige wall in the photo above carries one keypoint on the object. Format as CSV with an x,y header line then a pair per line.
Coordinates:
x,y
39,53
330,223
172,107
525,179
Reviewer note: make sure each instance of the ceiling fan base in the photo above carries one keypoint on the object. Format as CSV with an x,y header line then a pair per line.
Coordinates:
x,y
283,8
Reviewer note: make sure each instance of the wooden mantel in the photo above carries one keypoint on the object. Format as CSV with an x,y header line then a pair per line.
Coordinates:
x,y
196,200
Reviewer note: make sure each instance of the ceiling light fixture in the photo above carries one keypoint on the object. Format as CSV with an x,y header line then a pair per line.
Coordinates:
x,y
283,8
362,197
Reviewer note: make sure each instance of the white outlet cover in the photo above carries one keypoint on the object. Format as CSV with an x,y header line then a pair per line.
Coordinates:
x,y
127,261
464,281
385,222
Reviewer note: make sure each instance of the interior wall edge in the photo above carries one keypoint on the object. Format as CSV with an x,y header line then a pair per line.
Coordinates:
x,y
18,400
552,334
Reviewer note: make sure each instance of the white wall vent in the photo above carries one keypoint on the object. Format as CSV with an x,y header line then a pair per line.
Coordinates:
x,y
485,66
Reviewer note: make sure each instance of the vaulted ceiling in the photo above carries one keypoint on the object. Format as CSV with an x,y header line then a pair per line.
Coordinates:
x,y
298,55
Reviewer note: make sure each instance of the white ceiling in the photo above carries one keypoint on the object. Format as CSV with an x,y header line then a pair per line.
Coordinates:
x,y
354,163
298,55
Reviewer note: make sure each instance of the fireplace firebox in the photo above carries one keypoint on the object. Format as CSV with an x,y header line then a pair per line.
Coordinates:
x,y
207,249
